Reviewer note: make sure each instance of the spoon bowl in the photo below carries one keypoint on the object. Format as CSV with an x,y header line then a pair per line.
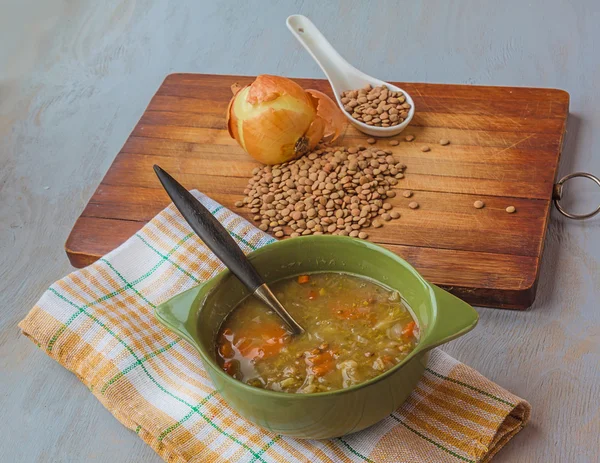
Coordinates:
x,y
342,75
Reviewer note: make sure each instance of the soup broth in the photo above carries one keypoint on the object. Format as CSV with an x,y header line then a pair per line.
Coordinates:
x,y
356,329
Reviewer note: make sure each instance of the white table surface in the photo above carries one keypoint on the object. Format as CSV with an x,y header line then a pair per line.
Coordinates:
x,y
76,76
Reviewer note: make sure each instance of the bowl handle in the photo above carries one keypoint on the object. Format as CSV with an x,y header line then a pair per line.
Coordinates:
x,y
177,314
453,319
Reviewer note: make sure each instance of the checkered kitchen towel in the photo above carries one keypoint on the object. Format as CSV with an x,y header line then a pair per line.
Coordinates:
x,y
98,322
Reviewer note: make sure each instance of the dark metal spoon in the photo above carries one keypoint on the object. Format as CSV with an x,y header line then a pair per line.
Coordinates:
x,y
216,237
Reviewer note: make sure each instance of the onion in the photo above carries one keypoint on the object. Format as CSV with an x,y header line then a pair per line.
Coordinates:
x,y
275,120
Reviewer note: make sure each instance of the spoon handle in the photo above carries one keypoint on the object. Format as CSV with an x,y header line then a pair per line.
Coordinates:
x,y
210,230
339,72
217,238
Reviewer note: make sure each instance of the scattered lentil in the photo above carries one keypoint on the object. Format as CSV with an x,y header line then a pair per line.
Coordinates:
x,y
395,214
363,235
444,142
511,209
371,141
407,193
425,148
478,204
377,106
413,205
394,143
409,137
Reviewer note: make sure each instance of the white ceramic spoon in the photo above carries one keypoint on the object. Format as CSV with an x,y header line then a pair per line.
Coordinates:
x,y
343,76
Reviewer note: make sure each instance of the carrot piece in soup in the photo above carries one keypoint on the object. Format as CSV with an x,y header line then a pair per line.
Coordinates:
x,y
409,329
388,359
320,364
226,332
323,369
303,279
354,313
226,350
262,341
229,368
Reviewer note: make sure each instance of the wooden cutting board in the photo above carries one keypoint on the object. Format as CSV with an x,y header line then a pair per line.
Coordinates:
x,y
505,148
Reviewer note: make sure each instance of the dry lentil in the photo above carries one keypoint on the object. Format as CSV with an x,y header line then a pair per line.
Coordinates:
x,y
407,193
444,142
413,205
409,137
378,106
511,209
371,141
478,204
394,143
425,148
334,190
394,214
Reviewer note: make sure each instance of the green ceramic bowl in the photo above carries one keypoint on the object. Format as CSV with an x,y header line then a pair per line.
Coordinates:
x,y
197,314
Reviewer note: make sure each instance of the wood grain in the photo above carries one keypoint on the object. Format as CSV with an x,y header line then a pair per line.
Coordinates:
x,y
506,155
81,79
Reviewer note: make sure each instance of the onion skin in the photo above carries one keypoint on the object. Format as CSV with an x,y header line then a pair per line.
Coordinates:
x,y
275,120
330,113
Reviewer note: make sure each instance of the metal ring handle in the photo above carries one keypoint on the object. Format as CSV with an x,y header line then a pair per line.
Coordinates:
x,y
558,192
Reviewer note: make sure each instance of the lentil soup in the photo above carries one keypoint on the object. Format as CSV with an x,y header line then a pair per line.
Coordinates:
x,y
356,329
